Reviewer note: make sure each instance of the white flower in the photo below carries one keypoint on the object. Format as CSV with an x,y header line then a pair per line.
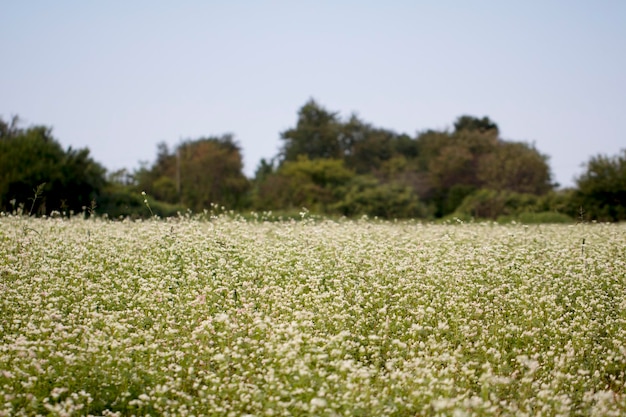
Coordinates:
x,y
221,317
318,402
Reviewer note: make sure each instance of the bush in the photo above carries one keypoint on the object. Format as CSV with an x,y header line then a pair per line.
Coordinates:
x,y
366,195
543,217
602,188
491,204
117,201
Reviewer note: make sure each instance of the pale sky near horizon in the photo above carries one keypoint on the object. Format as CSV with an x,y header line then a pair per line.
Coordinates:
x,y
119,77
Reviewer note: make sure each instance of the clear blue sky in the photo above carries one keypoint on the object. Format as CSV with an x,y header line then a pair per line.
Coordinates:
x,y
120,76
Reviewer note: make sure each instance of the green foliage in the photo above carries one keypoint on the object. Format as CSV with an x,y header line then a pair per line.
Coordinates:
x,y
436,169
30,157
316,134
487,204
508,205
561,201
314,184
164,189
544,217
450,162
365,195
602,188
124,202
265,169
328,164
474,124
321,134
373,147
473,157
327,186
453,165
271,192
455,197
516,167
197,174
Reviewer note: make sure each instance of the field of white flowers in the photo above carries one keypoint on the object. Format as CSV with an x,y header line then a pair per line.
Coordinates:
x,y
332,318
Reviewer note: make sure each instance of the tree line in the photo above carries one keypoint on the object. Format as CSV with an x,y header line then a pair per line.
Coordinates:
x,y
327,164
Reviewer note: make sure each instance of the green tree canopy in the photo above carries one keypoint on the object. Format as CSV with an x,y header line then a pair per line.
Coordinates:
x,y
517,167
316,134
30,157
311,183
197,173
474,124
602,187
366,195
439,168
322,134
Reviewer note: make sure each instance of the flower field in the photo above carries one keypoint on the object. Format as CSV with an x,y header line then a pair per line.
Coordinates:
x,y
232,317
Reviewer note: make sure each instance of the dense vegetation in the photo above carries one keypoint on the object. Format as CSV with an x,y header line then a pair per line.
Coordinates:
x,y
325,318
327,164
34,166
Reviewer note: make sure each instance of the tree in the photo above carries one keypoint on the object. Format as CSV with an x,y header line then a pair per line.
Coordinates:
x,y
197,173
9,129
370,152
602,188
451,161
316,134
453,165
441,168
366,195
211,171
322,134
474,124
314,184
517,167
473,157
82,177
264,169
31,157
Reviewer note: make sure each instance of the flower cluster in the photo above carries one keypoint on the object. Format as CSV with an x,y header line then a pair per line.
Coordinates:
x,y
229,317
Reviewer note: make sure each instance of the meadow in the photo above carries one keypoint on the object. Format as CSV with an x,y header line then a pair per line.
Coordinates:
x,y
223,316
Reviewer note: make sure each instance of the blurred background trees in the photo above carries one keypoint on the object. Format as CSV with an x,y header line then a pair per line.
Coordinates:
x,y
395,175
601,189
33,162
327,164
196,174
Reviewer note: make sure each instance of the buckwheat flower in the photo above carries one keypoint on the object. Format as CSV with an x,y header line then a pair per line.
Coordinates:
x,y
56,392
440,404
221,317
318,403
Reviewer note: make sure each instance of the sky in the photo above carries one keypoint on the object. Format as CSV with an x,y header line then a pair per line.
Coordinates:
x,y
119,77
